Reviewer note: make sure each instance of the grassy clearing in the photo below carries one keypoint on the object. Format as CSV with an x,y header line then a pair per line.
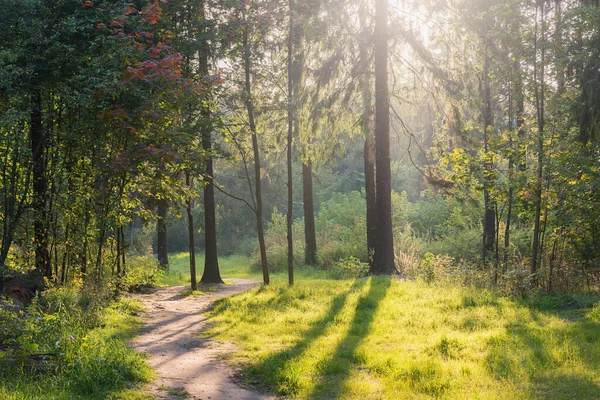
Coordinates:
x,y
381,338
89,364
179,269
235,266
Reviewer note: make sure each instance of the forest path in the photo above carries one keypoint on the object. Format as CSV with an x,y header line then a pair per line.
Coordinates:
x,y
188,366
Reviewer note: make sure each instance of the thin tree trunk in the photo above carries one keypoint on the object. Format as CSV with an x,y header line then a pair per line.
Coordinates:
x,y
255,150
383,261
118,235
291,120
489,219
40,186
161,230
123,247
310,236
539,97
192,244
520,116
100,250
511,177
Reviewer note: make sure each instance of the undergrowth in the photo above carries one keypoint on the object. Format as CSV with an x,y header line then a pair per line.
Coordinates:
x,y
71,344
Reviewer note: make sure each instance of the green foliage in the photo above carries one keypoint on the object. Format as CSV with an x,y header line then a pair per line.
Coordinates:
x,y
141,271
348,268
74,346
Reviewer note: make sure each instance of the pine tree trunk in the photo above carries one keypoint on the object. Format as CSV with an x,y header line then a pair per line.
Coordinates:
x,y
539,91
489,219
383,261
192,244
161,231
255,150
211,261
369,159
310,236
291,120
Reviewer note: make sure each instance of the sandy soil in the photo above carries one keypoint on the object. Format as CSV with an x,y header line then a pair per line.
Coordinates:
x,y
186,365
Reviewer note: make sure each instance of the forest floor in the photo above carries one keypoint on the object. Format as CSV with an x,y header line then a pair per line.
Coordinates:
x,y
186,365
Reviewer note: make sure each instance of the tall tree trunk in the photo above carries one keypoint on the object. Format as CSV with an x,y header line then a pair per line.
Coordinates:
x,y
383,261
539,100
489,219
511,178
255,150
161,231
520,117
291,120
369,156
192,244
40,186
310,235
211,261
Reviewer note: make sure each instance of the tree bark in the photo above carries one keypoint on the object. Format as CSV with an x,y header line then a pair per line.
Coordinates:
x,y
489,219
255,150
211,261
192,244
383,261
368,155
291,120
161,230
511,178
310,235
539,100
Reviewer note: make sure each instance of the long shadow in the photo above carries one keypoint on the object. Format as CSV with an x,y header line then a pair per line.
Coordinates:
x,y
337,370
269,373
546,354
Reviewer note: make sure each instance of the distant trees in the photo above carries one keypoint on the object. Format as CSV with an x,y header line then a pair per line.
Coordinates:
x,y
123,111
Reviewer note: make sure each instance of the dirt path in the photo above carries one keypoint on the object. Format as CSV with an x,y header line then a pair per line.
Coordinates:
x,y
186,365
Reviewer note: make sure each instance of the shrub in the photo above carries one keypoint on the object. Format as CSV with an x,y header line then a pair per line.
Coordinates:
x,y
141,271
347,268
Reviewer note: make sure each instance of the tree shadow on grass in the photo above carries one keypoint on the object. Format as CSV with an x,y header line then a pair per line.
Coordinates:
x,y
560,361
336,371
271,372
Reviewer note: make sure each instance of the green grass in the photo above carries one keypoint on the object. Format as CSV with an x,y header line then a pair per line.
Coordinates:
x,y
230,267
235,266
94,364
381,338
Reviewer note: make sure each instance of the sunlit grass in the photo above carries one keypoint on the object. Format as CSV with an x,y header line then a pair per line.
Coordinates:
x,y
382,338
234,266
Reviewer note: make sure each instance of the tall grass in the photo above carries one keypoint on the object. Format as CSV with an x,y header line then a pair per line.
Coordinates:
x,y
67,347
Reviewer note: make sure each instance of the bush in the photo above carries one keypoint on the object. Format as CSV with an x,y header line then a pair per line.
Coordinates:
x,y
347,268
459,244
141,271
